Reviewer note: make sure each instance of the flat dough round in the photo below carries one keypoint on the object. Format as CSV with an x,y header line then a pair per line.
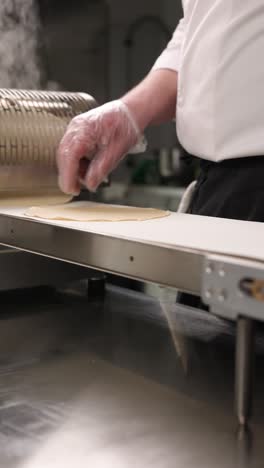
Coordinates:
x,y
89,211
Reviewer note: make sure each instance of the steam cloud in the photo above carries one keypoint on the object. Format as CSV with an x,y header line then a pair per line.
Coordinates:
x,y
19,24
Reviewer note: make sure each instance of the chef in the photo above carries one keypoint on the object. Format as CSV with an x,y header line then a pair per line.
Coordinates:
x,y
211,79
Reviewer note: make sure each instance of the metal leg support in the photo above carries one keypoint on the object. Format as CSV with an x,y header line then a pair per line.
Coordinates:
x,y
244,369
244,447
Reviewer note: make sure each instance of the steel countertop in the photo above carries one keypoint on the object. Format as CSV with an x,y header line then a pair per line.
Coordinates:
x,y
100,384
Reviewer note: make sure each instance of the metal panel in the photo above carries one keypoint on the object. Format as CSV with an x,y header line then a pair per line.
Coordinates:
x,y
221,289
20,269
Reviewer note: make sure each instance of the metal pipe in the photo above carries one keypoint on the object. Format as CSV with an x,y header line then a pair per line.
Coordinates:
x,y
244,369
244,447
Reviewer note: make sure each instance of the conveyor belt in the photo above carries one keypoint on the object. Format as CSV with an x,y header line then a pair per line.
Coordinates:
x,y
168,251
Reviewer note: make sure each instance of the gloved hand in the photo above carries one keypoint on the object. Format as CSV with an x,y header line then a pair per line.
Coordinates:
x,y
93,145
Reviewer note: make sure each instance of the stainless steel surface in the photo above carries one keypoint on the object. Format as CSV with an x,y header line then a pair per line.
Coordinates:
x,y
244,369
32,124
221,286
100,384
20,269
168,266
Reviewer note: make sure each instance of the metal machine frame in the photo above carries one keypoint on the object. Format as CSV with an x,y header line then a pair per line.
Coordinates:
x,y
232,287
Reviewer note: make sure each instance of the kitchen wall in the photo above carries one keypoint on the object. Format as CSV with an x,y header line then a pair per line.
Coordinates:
x,y
75,46
149,40
81,53
86,47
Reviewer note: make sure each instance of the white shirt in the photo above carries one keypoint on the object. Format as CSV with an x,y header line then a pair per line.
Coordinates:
x,y
218,51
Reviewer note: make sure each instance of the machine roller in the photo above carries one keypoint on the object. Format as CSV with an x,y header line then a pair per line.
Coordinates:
x,y
32,124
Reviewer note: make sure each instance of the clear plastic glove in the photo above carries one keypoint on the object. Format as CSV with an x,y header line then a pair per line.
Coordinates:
x,y
94,144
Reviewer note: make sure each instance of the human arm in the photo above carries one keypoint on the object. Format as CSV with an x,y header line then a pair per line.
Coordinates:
x,y
96,141
158,91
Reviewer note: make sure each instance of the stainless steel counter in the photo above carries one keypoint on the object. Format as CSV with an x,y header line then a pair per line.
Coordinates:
x,y
102,384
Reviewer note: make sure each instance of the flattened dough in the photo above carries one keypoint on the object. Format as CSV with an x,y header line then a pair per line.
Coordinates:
x,y
89,211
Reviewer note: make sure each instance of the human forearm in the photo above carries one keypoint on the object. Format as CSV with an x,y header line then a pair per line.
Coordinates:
x,y
153,101
103,136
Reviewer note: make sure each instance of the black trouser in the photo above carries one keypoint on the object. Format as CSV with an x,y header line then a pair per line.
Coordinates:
x,y
231,189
